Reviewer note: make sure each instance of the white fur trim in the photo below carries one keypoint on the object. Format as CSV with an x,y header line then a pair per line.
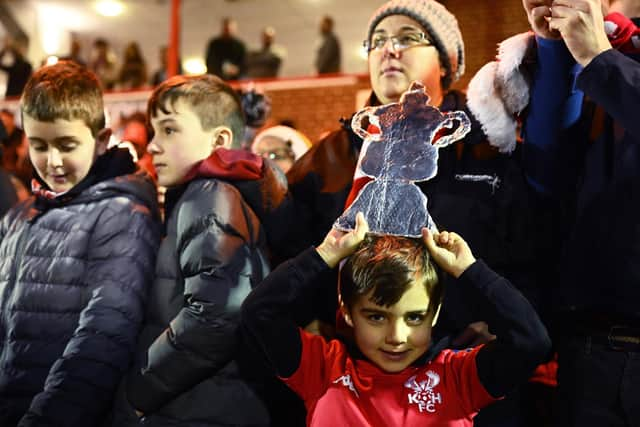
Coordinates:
x,y
512,84
487,107
499,92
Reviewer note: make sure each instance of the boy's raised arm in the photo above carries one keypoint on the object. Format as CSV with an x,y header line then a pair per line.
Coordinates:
x,y
267,314
81,384
522,341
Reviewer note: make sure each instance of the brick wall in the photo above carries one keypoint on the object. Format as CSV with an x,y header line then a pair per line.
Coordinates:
x,y
484,23
315,110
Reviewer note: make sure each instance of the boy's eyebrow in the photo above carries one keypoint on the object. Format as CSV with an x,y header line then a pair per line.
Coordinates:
x,y
365,310
66,138
166,120
58,140
425,311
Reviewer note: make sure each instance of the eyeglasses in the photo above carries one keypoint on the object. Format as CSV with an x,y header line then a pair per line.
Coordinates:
x,y
277,154
400,42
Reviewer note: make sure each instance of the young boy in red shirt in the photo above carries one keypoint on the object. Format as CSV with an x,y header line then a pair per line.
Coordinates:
x,y
389,373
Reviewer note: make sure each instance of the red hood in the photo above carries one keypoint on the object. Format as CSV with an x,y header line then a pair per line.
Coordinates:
x,y
231,165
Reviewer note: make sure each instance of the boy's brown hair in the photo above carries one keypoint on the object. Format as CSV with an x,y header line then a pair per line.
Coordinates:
x,y
388,265
211,99
65,91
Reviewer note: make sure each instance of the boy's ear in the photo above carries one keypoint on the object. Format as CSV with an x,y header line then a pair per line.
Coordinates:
x,y
435,318
345,313
102,141
222,136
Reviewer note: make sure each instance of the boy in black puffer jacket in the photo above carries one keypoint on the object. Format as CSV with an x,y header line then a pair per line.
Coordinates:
x,y
219,203
76,260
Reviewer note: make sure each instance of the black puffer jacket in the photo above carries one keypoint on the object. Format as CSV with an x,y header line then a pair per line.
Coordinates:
x,y
74,274
213,254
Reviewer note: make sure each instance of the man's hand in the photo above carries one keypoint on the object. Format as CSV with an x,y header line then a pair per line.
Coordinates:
x,y
338,244
581,24
538,13
449,251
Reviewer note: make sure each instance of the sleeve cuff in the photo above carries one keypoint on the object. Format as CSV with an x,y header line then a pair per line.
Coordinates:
x,y
597,70
478,275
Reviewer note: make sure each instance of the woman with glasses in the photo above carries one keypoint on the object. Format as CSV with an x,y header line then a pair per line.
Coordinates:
x,y
479,192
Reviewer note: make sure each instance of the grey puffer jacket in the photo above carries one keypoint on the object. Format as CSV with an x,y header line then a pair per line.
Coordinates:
x,y
74,275
190,370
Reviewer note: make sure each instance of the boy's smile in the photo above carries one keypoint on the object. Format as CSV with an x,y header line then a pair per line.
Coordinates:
x,y
62,152
393,337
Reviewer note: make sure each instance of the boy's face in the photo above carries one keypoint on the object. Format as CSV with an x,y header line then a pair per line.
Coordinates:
x,y
63,151
391,72
179,142
392,337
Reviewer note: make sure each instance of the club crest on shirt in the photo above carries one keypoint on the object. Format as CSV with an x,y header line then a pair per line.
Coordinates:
x,y
424,396
347,382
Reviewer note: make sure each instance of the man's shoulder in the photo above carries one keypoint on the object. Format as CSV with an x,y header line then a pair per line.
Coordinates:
x,y
121,192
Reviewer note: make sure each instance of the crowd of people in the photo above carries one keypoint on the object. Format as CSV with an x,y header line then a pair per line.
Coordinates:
x,y
237,300
226,56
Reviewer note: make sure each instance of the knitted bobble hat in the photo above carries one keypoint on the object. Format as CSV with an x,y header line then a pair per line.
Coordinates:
x,y
441,26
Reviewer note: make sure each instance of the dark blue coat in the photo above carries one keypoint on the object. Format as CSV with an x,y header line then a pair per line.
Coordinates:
x,y
74,276
587,157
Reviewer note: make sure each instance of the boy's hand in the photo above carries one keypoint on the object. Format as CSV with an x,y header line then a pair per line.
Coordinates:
x,y
338,244
581,24
538,13
449,251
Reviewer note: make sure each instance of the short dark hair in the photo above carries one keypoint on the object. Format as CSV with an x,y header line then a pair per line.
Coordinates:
x,y
212,100
64,90
388,265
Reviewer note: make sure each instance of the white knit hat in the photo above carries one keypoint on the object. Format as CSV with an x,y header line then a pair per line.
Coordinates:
x,y
441,26
299,143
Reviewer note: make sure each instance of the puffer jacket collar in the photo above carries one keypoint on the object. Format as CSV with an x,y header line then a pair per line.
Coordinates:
x,y
263,187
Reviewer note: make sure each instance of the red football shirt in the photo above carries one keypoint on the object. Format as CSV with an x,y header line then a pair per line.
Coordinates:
x,y
340,391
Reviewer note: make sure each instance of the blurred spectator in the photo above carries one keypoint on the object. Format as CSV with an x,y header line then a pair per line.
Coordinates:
x,y
135,135
256,107
281,144
266,61
328,53
103,63
75,55
160,74
8,196
13,61
11,189
226,54
133,72
15,157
